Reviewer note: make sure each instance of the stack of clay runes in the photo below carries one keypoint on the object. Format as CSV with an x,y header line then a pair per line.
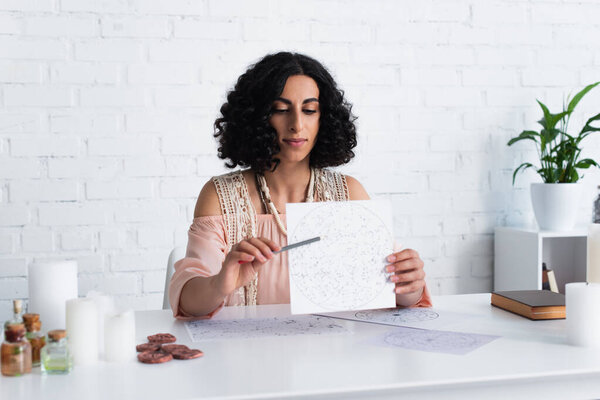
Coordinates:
x,y
161,348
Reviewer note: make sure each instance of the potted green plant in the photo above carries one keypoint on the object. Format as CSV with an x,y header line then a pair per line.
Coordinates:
x,y
555,201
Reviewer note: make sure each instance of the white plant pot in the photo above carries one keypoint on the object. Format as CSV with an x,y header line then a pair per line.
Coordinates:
x,y
555,205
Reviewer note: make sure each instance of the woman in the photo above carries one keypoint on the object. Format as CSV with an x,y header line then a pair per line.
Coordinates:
x,y
287,121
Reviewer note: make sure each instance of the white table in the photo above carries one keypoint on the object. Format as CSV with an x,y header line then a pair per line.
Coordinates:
x,y
531,360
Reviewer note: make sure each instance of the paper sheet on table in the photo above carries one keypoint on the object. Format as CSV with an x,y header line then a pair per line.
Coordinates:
x,y
345,270
215,329
433,340
424,318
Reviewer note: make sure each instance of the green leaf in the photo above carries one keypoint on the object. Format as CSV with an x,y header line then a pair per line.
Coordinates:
x,y
556,118
573,103
523,167
574,177
586,163
550,120
588,127
531,135
546,175
548,158
570,138
549,134
544,121
565,149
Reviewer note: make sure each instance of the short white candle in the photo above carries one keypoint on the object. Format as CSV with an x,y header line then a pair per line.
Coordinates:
x,y
593,253
82,330
583,318
119,337
105,305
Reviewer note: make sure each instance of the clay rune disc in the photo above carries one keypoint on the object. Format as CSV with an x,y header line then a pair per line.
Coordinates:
x,y
170,348
187,354
154,357
147,347
162,338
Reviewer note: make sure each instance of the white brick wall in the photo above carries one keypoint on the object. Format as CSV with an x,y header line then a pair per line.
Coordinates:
x,y
106,113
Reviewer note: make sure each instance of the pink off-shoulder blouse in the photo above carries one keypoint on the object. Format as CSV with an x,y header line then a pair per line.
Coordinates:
x,y
206,251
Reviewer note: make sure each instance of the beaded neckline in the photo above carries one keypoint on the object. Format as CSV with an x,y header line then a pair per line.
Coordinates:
x,y
270,208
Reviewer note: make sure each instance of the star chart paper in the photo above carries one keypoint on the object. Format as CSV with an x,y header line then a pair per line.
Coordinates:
x,y
215,329
434,341
345,270
423,318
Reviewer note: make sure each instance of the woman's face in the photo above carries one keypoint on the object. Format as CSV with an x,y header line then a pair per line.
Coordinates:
x,y
295,116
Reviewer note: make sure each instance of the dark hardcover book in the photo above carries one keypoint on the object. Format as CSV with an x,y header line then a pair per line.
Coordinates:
x,y
533,304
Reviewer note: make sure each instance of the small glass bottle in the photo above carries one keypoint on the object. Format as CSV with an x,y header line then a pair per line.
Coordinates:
x,y
17,310
15,352
597,208
34,336
56,358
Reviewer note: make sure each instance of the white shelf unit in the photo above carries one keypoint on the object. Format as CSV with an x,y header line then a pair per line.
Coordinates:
x,y
519,253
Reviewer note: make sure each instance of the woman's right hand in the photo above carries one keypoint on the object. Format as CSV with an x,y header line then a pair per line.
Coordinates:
x,y
242,263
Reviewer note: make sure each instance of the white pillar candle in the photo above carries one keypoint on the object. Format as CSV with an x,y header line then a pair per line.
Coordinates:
x,y
583,318
105,305
82,330
119,337
51,284
593,254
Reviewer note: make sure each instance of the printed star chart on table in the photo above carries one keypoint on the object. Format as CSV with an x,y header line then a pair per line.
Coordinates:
x,y
434,341
345,270
419,329
215,329
422,318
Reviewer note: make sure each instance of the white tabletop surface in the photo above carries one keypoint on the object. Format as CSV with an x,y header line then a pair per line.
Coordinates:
x,y
530,360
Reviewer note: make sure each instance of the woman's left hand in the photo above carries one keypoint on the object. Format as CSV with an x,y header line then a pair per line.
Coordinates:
x,y
407,271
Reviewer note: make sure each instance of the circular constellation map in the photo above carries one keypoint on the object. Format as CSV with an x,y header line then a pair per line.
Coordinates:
x,y
431,340
340,271
395,316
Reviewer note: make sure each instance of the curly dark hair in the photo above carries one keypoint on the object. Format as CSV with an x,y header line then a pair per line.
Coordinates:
x,y
244,133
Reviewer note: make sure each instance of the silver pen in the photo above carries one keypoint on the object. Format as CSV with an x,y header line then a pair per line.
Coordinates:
x,y
297,244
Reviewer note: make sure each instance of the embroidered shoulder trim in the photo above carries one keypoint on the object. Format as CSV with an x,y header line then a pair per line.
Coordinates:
x,y
240,222
331,186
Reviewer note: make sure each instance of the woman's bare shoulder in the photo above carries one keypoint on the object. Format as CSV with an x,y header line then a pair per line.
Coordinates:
x,y
355,189
208,201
